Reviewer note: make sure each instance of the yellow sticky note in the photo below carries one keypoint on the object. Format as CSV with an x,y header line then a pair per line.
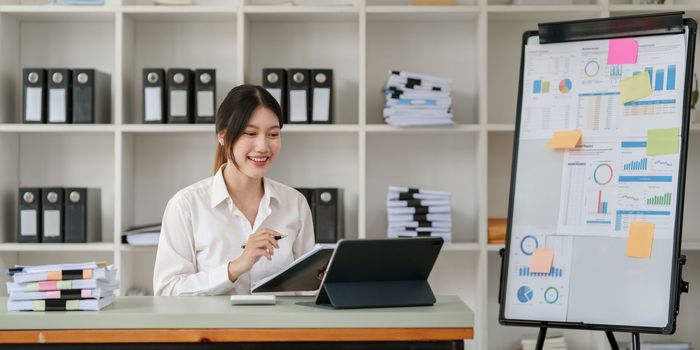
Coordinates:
x,y
662,141
636,87
542,259
564,139
640,238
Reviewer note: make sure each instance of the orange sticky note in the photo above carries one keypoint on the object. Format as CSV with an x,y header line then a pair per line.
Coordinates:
x,y
542,259
87,274
640,238
565,139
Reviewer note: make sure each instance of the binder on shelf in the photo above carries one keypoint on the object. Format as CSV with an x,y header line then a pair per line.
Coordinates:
x,y
154,98
274,80
326,213
83,215
52,215
180,91
205,95
298,99
59,83
34,95
29,227
91,97
322,96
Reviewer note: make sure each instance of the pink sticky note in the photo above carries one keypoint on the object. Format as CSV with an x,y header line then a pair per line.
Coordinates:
x,y
542,259
55,294
86,293
622,51
47,285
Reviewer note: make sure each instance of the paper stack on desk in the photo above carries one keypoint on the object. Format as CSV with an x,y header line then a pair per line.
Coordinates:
x,y
62,287
417,99
418,213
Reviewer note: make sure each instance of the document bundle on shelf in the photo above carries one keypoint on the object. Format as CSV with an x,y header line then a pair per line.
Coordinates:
x,y
85,286
417,100
415,212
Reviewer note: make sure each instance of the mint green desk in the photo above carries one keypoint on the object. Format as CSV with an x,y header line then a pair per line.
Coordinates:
x,y
212,323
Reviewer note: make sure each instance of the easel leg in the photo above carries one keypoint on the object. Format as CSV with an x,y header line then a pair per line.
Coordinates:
x,y
636,344
611,340
540,338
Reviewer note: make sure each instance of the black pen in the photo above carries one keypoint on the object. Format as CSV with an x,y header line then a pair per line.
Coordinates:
x,y
276,238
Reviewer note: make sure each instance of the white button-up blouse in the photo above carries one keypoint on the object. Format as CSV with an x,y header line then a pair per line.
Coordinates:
x,y
203,230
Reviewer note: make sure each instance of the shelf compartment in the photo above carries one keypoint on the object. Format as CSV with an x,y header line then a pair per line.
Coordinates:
x,y
57,159
311,44
34,37
204,39
433,162
411,46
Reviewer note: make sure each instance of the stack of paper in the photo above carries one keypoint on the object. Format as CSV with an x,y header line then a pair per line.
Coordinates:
x,y
142,235
551,343
417,99
62,287
416,212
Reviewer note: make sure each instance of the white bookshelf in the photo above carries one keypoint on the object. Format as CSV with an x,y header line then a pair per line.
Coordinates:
x,y
140,166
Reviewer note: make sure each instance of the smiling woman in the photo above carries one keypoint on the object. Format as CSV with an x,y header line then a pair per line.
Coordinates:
x,y
216,231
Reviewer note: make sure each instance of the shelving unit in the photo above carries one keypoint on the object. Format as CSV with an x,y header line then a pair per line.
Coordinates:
x,y
140,166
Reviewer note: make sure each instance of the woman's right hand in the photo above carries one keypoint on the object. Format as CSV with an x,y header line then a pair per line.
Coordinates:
x,y
259,244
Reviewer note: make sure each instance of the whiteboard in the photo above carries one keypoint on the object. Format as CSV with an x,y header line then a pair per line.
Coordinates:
x,y
580,201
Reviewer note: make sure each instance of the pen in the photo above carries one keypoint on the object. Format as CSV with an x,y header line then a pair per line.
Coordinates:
x,y
276,238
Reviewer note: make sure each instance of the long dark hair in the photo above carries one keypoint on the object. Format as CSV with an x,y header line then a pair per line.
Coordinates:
x,y
234,113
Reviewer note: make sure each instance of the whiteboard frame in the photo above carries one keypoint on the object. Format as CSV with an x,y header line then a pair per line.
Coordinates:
x,y
678,260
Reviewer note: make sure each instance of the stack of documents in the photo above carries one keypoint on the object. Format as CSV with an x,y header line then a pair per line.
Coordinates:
x,y
146,235
417,99
552,343
416,212
62,287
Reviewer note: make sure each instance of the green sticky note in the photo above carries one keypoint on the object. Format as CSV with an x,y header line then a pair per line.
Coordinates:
x,y
635,87
662,141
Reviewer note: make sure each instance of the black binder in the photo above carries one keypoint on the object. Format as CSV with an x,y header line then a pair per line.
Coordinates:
x,y
52,215
91,96
29,228
180,91
380,273
274,80
326,213
205,95
298,96
83,215
154,97
321,96
34,95
60,82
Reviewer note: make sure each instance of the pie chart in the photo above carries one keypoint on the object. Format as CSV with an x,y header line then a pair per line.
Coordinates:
x,y
565,86
525,294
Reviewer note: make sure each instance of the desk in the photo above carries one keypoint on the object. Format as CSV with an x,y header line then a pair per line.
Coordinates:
x,y
211,322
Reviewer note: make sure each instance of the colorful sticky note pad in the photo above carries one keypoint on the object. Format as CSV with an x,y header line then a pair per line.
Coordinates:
x,y
622,51
542,259
635,87
640,238
565,139
662,141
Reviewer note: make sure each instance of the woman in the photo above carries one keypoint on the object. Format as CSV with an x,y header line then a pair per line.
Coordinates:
x,y
225,232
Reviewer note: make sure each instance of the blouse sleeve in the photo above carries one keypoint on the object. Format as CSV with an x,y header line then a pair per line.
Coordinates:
x,y
175,267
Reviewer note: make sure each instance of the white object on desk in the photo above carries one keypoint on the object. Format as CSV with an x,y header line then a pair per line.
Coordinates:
x,y
257,299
